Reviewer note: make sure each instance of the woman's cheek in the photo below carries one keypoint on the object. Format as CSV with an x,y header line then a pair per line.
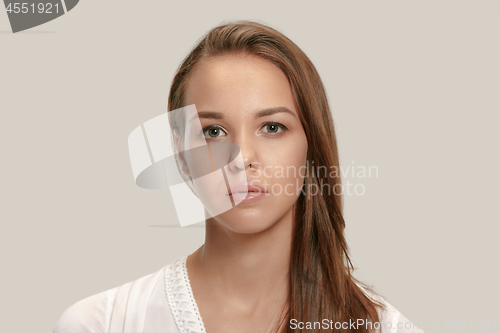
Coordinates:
x,y
290,180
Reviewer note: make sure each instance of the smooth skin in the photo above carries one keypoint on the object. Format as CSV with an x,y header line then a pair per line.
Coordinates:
x,y
239,277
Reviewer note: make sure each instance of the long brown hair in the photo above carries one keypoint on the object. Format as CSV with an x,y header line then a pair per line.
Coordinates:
x,y
320,282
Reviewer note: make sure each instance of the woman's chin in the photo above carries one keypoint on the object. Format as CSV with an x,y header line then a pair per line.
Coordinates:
x,y
255,217
247,228
242,223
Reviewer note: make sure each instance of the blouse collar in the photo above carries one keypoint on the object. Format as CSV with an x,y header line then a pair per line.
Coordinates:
x,y
180,298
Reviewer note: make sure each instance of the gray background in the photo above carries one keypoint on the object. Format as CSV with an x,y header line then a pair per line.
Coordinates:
x,y
414,88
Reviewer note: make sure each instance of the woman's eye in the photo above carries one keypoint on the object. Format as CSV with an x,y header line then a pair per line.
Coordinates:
x,y
212,132
275,128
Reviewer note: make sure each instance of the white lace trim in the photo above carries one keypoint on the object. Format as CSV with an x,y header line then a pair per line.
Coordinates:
x,y
180,298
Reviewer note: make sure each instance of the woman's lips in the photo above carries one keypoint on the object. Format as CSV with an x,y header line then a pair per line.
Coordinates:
x,y
246,193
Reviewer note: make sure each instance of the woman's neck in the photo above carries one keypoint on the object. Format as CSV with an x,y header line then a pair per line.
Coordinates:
x,y
247,270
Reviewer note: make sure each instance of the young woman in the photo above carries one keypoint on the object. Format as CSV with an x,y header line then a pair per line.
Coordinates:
x,y
278,260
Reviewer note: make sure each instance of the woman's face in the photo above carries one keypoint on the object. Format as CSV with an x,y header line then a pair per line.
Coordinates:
x,y
231,93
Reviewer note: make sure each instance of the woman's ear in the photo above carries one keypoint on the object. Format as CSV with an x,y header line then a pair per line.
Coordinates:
x,y
179,149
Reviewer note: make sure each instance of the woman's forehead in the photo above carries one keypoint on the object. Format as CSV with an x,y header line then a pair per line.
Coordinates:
x,y
241,82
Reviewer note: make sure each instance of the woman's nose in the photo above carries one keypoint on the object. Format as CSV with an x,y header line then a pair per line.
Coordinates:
x,y
249,154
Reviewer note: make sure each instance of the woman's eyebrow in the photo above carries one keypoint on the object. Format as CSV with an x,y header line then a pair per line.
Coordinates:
x,y
207,115
271,111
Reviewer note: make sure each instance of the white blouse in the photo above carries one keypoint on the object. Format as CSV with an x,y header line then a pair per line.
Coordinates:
x,y
163,302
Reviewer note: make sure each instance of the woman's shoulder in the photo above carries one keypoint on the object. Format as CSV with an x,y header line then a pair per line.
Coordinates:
x,y
390,318
90,314
106,311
